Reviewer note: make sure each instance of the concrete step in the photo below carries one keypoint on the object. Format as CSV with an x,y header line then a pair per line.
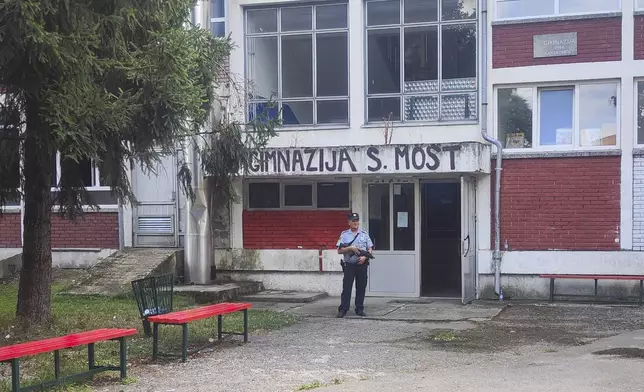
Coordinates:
x,y
219,292
113,275
285,296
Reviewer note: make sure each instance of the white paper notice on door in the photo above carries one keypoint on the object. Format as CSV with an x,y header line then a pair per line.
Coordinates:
x,y
403,219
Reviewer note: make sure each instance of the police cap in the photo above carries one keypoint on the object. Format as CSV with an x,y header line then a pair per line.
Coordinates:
x,y
354,216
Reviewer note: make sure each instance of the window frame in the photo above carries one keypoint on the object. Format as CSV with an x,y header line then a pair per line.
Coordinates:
x,y
95,173
283,182
313,32
636,81
536,111
402,26
556,13
223,19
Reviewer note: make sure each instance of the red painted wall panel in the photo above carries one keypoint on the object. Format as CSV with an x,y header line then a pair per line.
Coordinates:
x,y
560,203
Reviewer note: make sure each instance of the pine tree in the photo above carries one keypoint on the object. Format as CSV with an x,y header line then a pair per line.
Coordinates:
x,y
106,81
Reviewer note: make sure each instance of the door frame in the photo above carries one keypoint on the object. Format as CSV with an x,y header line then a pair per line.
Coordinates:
x,y
173,170
365,224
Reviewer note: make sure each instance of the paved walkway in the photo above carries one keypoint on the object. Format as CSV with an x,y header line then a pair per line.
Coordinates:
x,y
525,347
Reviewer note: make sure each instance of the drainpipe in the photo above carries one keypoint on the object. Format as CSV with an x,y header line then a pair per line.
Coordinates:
x,y
496,256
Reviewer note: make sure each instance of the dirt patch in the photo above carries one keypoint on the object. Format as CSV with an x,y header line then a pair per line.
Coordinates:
x,y
552,325
624,352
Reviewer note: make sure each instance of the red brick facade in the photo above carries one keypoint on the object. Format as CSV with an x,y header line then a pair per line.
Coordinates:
x,y
10,230
560,203
597,40
293,229
639,37
94,230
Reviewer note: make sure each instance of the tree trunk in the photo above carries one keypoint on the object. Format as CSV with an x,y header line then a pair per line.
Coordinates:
x,y
34,293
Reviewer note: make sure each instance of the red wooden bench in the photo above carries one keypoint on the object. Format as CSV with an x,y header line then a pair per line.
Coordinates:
x,y
15,352
594,277
183,317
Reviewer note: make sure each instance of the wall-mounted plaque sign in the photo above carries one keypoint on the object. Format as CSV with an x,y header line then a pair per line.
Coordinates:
x,y
555,45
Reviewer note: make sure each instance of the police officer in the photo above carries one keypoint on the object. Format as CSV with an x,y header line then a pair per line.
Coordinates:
x,y
350,243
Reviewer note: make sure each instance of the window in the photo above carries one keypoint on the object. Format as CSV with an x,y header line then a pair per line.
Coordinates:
x,y
84,169
421,60
298,56
10,147
306,195
218,18
511,9
639,4
575,116
640,112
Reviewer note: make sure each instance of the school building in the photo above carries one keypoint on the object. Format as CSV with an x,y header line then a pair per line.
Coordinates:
x,y
391,109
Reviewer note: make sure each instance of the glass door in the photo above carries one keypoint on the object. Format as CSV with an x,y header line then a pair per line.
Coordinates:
x,y
392,227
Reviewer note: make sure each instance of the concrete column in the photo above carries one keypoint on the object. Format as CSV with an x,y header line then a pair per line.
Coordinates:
x,y
627,127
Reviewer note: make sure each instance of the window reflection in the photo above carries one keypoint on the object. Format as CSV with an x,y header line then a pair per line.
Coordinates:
x,y
598,114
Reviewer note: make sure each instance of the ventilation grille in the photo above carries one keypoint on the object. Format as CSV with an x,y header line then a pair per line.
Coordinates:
x,y
155,225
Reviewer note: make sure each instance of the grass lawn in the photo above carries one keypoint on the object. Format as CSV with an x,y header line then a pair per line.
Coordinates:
x,y
75,314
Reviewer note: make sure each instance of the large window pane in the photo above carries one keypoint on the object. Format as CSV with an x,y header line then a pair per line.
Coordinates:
x,y
380,109
297,113
639,4
261,21
556,117
459,57
583,6
262,111
262,66
331,16
383,61
404,212
598,114
297,66
640,112
379,216
417,11
421,59
264,195
298,195
332,65
10,147
217,9
459,9
218,29
383,12
333,112
524,8
515,117
423,108
333,194
298,18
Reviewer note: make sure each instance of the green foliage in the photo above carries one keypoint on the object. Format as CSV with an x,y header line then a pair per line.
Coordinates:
x,y
111,81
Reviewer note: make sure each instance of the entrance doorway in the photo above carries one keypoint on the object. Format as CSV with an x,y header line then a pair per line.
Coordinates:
x,y
440,239
448,239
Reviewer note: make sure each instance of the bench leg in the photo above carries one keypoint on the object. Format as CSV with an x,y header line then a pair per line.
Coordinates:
x,y
595,289
57,364
90,356
552,289
184,343
155,341
15,375
123,358
220,323
245,325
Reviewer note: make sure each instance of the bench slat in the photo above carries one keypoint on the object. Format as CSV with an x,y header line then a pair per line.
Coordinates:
x,y
580,276
203,312
62,342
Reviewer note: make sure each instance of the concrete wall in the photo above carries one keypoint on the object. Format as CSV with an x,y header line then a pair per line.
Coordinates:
x,y
11,259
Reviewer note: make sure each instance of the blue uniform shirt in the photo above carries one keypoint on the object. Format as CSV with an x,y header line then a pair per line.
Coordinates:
x,y
362,242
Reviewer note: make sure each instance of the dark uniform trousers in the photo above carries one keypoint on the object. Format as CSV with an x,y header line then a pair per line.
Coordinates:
x,y
357,272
